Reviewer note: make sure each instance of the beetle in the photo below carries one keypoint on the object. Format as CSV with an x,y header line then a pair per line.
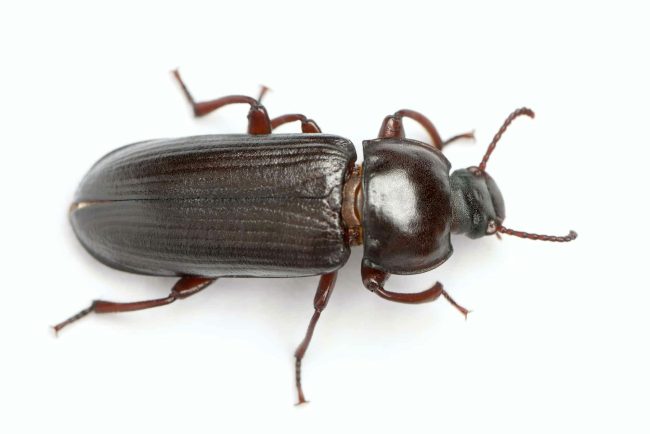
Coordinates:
x,y
284,205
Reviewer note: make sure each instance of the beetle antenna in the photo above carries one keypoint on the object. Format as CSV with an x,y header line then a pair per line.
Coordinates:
x,y
515,114
572,235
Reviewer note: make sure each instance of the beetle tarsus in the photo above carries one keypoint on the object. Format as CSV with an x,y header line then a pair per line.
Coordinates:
x,y
460,308
468,136
301,395
186,92
263,90
74,318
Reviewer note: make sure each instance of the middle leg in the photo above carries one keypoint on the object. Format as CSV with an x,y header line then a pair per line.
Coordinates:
x,y
323,293
307,125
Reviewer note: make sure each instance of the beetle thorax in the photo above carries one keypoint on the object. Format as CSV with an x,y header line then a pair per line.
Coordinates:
x,y
352,204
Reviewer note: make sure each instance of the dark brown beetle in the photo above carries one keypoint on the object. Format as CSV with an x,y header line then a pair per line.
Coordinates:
x,y
284,205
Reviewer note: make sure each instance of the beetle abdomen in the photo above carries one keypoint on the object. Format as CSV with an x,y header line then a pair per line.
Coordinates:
x,y
219,205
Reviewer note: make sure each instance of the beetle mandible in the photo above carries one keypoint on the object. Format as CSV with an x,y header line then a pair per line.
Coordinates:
x,y
284,205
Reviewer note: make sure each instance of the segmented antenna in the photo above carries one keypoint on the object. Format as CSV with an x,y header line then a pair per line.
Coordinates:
x,y
572,235
521,111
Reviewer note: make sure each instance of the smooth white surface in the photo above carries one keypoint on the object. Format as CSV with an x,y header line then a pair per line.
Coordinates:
x,y
558,337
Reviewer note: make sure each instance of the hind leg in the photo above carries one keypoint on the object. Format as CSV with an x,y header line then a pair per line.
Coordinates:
x,y
323,293
258,118
185,287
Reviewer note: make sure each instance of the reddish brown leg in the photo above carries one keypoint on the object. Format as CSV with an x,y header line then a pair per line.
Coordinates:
x,y
325,287
468,136
263,91
307,125
374,280
182,289
258,118
393,127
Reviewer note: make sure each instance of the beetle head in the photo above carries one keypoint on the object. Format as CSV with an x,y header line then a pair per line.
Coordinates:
x,y
477,203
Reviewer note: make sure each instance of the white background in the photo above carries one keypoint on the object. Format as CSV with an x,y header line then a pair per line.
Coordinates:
x,y
558,337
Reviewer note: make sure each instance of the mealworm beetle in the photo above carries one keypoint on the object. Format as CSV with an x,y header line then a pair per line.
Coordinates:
x,y
284,205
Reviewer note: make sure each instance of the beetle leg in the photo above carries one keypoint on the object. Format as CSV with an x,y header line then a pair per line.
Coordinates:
x,y
263,91
323,293
374,280
258,118
393,127
185,287
469,135
307,125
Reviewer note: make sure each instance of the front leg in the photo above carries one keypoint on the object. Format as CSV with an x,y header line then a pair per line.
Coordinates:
x,y
374,280
393,127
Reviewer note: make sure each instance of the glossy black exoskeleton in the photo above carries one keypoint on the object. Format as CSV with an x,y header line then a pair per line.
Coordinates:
x,y
284,205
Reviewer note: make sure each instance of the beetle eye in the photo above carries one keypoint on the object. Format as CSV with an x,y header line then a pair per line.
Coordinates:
x,y
491,227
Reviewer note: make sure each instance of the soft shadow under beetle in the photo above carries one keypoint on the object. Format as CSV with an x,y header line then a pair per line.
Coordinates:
x,y
284,205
